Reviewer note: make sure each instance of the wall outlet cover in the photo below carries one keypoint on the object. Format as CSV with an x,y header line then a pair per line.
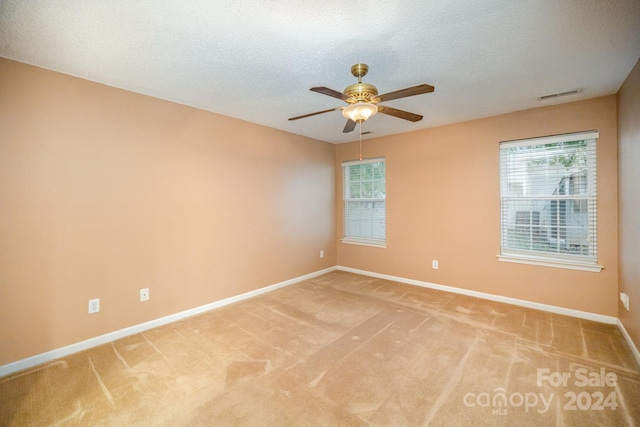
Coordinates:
x,y
94,305
625,300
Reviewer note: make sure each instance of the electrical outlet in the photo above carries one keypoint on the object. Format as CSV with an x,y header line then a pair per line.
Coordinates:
x,y
144,294
434,264
321,254
94,305
625,300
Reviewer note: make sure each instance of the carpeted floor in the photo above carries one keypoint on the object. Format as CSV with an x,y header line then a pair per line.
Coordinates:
x,y
342,350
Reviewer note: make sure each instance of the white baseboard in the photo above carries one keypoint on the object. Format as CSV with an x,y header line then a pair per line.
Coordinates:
x,y
514,301
632,345
111,336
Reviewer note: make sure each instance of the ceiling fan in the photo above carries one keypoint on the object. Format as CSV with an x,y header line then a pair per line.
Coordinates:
x,y
363,100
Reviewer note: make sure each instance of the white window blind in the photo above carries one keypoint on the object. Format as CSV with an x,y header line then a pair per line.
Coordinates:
x,y
364,194
548,200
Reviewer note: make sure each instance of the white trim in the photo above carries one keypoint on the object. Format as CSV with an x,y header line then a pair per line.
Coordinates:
x,y
551,262
111,336
364,242
627,337
514,301
553,139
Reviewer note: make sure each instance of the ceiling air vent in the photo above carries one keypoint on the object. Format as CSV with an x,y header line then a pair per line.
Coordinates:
x,y
559,94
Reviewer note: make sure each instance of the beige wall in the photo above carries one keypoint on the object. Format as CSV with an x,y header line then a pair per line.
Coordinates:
x,y
629,179
443,203
103,192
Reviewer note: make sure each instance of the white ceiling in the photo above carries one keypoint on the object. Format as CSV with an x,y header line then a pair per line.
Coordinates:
x,y
256,60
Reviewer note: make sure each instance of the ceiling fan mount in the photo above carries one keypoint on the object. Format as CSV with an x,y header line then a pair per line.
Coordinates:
x,y
363,100
359,70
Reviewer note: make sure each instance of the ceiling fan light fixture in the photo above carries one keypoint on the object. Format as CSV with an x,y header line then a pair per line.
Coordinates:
x,y
360,112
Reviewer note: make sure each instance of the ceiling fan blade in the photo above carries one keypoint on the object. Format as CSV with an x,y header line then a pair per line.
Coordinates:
x,y
315,114
399,113
349,127
403,93
326,91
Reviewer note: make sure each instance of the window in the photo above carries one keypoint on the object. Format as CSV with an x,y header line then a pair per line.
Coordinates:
x,y
364,195
548,201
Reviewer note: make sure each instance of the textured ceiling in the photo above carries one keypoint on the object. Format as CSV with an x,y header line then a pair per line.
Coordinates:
x,y
256,60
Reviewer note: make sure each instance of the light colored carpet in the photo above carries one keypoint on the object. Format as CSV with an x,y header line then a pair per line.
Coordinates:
x,y
342,350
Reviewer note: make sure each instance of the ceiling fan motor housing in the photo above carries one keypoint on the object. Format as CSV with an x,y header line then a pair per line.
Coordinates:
x,y
360,92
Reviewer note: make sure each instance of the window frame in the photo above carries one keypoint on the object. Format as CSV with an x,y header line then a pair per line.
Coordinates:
x,y
352,238
539,257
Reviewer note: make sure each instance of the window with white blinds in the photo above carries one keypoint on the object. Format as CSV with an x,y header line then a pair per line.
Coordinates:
x,y
548,201
364,194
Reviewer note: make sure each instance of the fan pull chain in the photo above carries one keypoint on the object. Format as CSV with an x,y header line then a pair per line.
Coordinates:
x,y
360,127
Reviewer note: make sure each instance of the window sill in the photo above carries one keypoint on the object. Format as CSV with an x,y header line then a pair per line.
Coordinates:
x,y
365,242
551,262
